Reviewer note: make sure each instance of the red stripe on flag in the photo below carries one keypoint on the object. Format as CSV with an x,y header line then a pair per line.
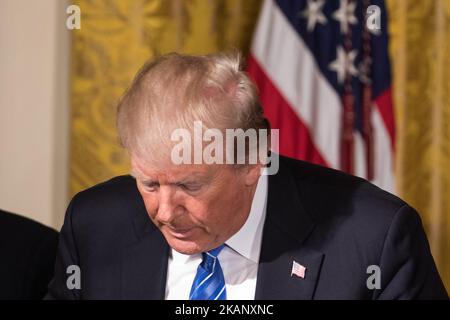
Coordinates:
x,y
384,104
295,139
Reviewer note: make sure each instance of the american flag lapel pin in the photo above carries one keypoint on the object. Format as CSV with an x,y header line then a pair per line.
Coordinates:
x,y
298,270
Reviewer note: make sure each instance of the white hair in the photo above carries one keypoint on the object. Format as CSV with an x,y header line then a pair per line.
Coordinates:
x,y
175,90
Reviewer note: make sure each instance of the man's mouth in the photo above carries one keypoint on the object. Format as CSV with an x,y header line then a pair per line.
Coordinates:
x,y
181,233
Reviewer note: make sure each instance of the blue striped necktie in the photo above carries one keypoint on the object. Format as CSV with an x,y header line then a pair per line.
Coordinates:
x,y
209,283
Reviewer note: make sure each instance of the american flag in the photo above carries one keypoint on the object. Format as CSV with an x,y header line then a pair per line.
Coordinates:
x,y
325,82
298,270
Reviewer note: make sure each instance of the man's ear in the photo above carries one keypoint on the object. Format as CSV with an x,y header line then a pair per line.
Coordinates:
x,y
252,173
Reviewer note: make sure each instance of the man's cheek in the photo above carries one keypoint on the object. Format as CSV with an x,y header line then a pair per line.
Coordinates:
x,y
151,207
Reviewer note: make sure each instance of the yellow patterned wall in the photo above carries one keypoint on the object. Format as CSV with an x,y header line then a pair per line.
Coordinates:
x,y
117,36
420,54
115,39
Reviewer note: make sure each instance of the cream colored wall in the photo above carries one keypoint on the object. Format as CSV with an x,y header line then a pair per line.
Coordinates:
x,y
34,109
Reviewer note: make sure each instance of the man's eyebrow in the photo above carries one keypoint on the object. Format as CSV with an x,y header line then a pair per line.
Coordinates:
x,y
185,181
192,178
146,180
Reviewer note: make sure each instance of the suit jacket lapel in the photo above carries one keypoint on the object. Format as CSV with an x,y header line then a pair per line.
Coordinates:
x,y
286,228
144,263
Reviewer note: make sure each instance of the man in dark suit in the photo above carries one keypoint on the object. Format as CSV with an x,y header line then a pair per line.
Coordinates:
x,y
27,254
230,230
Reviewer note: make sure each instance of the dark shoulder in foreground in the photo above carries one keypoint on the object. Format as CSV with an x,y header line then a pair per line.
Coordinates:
x,y
27,251
21,225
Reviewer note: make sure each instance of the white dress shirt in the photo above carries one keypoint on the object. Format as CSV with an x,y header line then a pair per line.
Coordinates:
x,y
238,259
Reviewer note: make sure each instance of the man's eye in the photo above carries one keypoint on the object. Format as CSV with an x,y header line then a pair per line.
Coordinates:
x,y
189,187
151,186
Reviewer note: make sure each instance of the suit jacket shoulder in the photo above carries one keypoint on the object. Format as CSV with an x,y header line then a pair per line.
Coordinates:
x,y
357,226
104,210
332,197
101,223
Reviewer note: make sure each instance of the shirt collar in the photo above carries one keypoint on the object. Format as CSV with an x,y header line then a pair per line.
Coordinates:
x,y
247,241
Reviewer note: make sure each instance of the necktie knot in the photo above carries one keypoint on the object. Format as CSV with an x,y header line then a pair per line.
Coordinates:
x,y
209,283
215,252
209,257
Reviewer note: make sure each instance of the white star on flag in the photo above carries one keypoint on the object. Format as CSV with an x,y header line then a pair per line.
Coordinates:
x,y
298,270
346,15
344,64
314,14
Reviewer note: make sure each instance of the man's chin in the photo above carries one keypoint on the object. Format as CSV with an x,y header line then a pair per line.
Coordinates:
x,y
185,246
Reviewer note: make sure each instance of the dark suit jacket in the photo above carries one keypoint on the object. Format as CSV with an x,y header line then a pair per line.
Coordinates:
x,y
334,224
27,257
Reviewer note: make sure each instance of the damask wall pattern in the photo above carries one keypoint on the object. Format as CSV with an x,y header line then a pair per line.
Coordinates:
x,y
115,39
419,45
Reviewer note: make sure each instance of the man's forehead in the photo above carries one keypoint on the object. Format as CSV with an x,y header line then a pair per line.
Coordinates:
x,y
143,170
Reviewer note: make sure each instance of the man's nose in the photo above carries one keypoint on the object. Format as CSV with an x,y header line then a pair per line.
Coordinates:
x,y
169,207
